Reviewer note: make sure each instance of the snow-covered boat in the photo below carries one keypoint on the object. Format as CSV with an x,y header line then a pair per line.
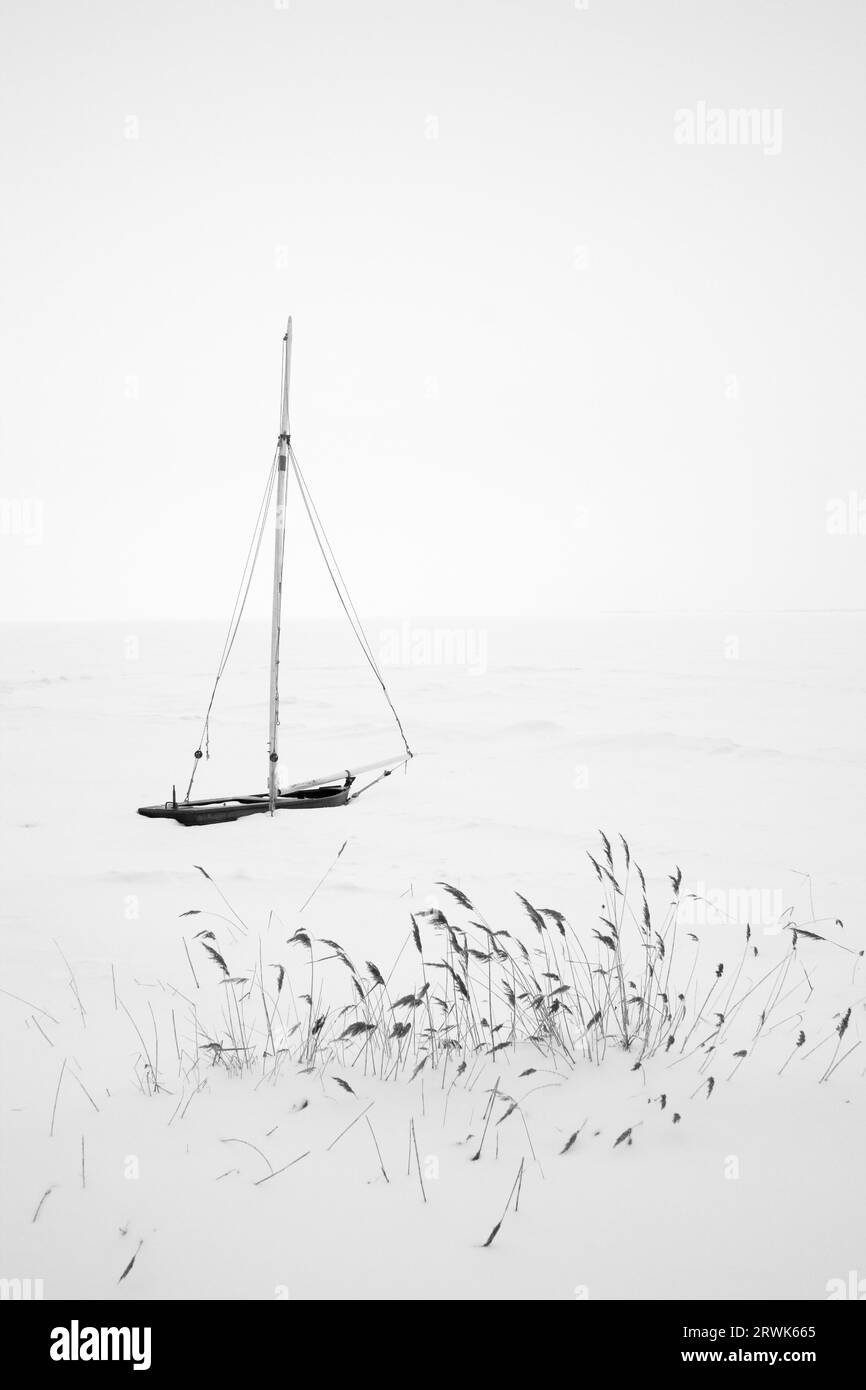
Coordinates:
x,y
338,788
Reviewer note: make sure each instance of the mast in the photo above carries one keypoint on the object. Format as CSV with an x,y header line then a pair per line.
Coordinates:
x,y
279,548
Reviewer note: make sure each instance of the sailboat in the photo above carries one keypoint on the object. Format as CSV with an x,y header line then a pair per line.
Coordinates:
x,y
337,788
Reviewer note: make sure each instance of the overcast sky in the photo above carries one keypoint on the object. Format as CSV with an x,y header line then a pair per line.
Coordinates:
x,y
554,351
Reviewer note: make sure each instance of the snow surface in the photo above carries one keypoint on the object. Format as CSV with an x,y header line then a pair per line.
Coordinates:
x,y
732,746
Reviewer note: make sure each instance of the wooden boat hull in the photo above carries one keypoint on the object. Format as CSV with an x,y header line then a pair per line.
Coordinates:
x,y
216,812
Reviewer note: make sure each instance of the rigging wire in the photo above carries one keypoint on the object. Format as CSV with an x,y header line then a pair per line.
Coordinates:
x,y
340,586
355,620
404,762
237,614
342,591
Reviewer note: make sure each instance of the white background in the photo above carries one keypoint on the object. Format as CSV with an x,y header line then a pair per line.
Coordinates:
x,y
548,360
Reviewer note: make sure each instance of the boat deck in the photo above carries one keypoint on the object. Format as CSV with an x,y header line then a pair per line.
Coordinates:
x,y
216,811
